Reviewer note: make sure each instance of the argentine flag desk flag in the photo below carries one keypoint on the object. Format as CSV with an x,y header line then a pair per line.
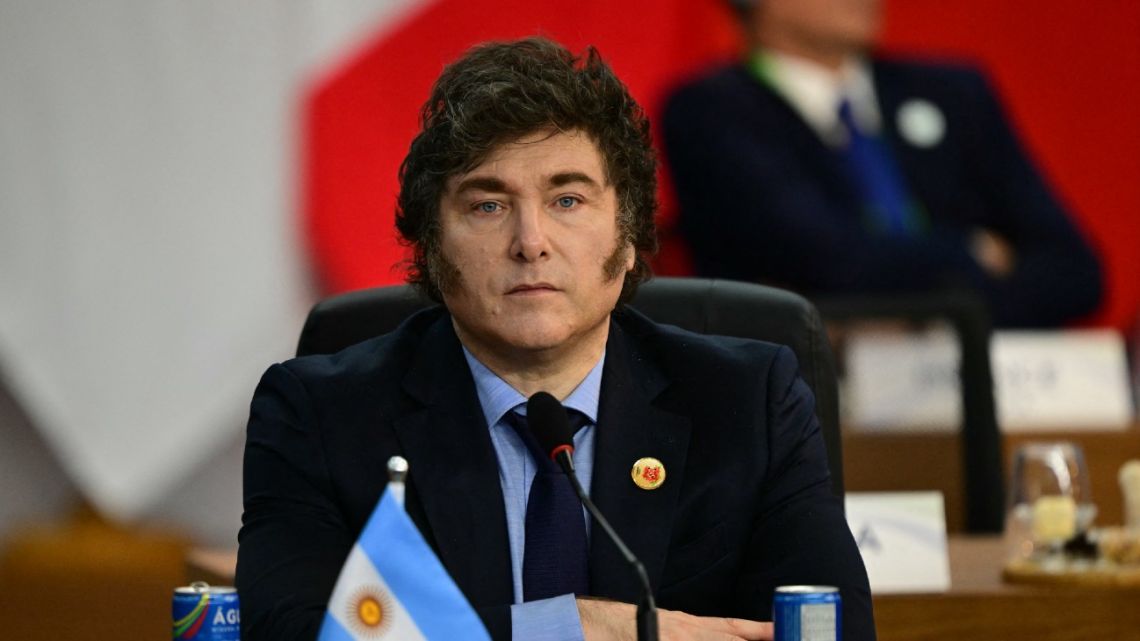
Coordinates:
x,y
392,586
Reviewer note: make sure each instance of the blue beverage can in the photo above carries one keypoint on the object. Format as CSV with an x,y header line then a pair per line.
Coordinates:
x,y
206,613
807,613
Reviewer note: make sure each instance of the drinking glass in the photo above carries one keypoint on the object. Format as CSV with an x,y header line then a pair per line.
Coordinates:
x,y
1049,499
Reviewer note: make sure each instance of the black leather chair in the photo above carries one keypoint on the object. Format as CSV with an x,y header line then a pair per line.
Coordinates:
x,y
708,306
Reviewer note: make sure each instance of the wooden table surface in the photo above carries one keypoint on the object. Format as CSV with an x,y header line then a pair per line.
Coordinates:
x,y
978,606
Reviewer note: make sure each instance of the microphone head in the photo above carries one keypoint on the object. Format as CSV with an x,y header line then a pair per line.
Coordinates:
x,y
549,423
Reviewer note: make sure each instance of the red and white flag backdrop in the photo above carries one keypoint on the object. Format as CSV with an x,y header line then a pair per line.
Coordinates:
x,y
176,176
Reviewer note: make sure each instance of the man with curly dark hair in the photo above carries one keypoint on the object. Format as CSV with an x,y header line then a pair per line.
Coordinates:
x,y
503,93
528,200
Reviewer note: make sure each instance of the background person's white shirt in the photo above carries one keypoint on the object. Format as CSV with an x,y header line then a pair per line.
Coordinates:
x,y
815,92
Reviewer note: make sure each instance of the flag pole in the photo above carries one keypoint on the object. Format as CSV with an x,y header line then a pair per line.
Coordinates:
x,y
397,473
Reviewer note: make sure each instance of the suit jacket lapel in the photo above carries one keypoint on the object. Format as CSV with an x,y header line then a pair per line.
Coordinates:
x,y
891,96
631,427
924,170
454,479
795,133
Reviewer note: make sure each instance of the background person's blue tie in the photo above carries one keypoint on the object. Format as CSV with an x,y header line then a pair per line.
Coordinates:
x,y
555,555
877,177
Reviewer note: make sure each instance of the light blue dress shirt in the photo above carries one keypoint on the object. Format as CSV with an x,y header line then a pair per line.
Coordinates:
x,y
556,618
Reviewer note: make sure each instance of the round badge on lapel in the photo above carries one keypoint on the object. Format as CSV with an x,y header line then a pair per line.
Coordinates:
x,y
921,123
648,473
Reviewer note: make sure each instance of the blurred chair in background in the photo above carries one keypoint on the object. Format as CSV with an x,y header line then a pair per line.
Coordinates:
x,y
973,491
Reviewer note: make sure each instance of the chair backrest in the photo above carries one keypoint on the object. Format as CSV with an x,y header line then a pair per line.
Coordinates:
x,y
720,307
967,313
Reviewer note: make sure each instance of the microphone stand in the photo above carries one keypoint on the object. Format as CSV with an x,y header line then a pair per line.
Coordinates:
x,y
646,608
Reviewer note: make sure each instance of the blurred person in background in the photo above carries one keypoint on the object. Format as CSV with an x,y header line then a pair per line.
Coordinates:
x,y
815,165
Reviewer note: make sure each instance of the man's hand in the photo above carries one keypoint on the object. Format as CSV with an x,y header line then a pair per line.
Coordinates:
x,y
615,621
993,253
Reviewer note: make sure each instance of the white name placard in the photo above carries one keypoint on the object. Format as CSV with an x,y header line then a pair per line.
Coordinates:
x,y
903,380
902,537
1061,380
1043,380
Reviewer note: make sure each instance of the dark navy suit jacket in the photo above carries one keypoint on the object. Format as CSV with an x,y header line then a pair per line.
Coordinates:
x,y
764,199
746,504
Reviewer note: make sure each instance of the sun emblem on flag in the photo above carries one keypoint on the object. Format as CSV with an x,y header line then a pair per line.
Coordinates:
x,y
370,612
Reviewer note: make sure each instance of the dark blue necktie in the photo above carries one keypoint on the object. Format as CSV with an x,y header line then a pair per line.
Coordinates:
x,y
877,177
555,557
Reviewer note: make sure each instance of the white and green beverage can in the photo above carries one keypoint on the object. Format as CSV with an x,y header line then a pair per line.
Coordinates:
x,y
202,612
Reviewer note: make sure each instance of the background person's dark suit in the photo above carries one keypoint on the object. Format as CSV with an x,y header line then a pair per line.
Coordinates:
x,y
764,199
746,505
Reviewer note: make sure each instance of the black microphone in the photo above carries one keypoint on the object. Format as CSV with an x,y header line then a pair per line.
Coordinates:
x,y
551,427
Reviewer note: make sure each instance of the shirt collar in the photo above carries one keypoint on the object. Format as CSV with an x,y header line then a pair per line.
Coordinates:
x,y
497,397
815,91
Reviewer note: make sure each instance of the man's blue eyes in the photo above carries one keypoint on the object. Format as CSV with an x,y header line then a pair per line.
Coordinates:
x,y
491,207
